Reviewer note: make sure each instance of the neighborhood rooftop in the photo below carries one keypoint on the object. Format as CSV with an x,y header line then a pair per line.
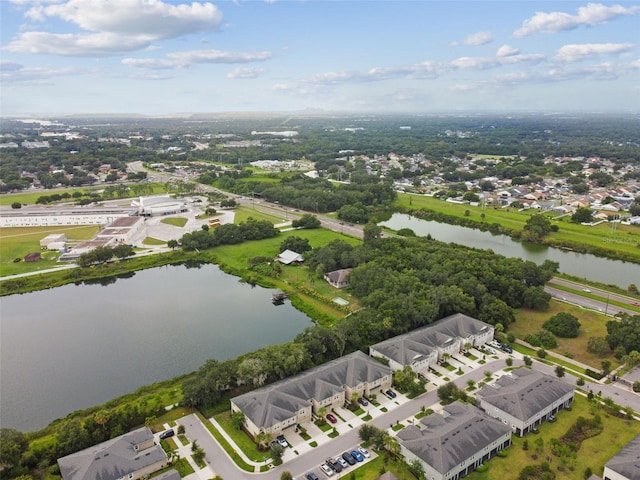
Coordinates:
x,y
523,392
626,462
282,400
448,440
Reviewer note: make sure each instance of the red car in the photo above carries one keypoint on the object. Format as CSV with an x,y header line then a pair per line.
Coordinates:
x,y
331,418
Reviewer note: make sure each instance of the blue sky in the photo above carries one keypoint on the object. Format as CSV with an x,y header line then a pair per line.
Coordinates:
x,y
170,56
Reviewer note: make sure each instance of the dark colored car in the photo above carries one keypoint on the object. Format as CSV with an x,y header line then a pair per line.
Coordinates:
x,y
334,465
391,393
363,401
506,348
349,458
331,418
312,476
357,455
167,434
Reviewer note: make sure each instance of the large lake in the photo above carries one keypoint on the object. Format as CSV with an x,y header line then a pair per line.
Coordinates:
x,y
582,265
76,346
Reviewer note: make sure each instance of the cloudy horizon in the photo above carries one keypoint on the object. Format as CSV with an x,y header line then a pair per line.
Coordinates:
x,y
168,56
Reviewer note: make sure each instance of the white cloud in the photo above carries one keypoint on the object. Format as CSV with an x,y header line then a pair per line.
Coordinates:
x,y
17,73
475,39
98,45
507,51
554,22
573,53
245,73
185,59
115,26
152,18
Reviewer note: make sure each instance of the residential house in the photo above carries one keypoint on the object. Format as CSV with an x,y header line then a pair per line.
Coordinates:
x,y
524,398
338,278
453,444
427,345
295,400
130,456
625,465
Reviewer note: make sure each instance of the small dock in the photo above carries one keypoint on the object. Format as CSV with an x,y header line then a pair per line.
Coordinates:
x,y
279,298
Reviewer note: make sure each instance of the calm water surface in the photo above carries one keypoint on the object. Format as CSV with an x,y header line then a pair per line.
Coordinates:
x,y
76,346
582,265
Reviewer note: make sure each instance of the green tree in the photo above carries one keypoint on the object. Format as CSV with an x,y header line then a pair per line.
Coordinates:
x,y
371,231
286,476
527,360
13,444
295,244
598,346
237,419
276,451
172,244
582,215
563,325
416,468
16,205
559,371
536,228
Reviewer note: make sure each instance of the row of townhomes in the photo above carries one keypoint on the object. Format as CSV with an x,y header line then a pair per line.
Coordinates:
x,y
130,456
448,445
295,400
454,443
426,346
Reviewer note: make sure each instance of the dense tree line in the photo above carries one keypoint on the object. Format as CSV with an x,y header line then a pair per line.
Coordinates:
x,y
228,234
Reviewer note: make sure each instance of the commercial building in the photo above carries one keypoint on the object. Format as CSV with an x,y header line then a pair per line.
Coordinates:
x,y
159,205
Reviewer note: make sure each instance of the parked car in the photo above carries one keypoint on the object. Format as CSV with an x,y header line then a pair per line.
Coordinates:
x,y
390,393
363,401
343,463
506,348
364,452
312,476
331,418
334,464
328,471
349,458
356,454
167,434
282,441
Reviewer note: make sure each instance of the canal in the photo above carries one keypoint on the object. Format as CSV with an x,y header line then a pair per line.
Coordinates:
x,y
612,272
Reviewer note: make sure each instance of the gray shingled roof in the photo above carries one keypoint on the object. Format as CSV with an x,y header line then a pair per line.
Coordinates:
x,y
448,440
627,461
169,475
405,348
112,459
524,392
281,400
339,276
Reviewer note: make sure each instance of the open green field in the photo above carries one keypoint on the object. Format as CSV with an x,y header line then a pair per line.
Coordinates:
x,y
593,324
626,239
244,213
594,452
16,242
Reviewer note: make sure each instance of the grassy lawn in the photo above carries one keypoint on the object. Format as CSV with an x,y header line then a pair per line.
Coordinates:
x,y
243,441
16,242
153,241
594,452
373,469
593,324
626,240
224,444
175,221
243,213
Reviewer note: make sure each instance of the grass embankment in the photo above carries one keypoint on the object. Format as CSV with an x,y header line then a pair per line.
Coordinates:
x,y
594,452
593,324
224,444
624,244
16,242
